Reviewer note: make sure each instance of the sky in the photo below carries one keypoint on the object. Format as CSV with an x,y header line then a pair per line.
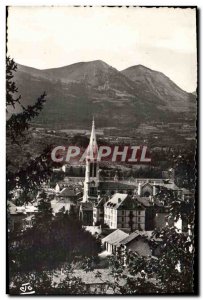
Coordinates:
x,y
163,39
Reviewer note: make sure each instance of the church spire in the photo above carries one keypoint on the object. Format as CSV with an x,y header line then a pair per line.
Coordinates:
x,y
92,168
92,151
93,134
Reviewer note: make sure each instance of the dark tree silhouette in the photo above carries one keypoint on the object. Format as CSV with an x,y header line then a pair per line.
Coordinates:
x,y
36,170
51,242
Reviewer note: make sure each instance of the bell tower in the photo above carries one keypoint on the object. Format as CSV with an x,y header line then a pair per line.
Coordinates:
x,y
92,169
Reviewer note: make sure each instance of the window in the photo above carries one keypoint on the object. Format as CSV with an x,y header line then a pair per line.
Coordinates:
x,y
123,212
122,225
139,212
122,219
91,169
138,219
95,170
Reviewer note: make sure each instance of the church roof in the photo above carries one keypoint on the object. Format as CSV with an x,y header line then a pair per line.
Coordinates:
x,y
112,185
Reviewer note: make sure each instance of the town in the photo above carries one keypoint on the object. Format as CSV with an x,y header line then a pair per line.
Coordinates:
x,y
121,213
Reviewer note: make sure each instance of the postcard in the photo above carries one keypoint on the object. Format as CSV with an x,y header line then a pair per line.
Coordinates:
x,y
101,133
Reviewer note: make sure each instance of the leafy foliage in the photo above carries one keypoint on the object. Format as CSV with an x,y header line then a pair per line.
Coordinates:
x,y
18,123
37,169
171,272
51,242
59,282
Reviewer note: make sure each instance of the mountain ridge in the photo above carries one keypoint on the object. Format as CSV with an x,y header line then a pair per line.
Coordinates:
x,y
128,97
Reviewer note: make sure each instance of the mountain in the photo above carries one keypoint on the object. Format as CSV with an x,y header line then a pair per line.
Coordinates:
x,y
117,99
156,85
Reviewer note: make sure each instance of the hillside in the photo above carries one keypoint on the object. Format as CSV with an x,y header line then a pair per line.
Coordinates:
x,y
158,86
116,99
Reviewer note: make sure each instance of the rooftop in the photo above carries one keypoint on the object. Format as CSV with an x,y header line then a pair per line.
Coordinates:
x,y
86,205
114,185
101,202
115,237
136,234
67,192
125,201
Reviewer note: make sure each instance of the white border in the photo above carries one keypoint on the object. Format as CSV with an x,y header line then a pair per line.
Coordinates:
x,y
3,4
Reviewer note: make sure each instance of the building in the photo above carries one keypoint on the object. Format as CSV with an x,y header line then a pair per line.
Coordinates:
x,y
134,209
86,213
59,205
98,211
140,242
145,189
111,241
91,181
21,217
92,169
109,188
124,211
150,212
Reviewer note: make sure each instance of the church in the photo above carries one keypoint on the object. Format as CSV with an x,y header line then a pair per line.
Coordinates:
x,y
94,188
97,193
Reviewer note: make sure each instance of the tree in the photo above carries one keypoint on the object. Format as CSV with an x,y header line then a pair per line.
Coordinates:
x,y
172,271
24,179
18,123
51,242
43,283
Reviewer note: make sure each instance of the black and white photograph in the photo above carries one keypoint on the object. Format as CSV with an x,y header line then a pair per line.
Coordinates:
x,y
101,150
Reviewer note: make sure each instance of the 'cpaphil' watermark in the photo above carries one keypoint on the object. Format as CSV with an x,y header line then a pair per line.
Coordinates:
x,y
124,154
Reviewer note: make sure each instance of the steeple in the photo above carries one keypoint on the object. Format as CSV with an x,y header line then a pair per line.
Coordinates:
x,y
92,169
92,151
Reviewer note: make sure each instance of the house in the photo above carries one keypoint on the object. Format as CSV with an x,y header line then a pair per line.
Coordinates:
x,y
61,204
15,219
112,240
98,211
86,213
138,242
68,193
20,217
150,212
124,211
